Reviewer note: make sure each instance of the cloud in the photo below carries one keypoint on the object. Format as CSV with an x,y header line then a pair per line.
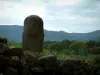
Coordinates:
x,y
20,10
79,16
67,15
68,2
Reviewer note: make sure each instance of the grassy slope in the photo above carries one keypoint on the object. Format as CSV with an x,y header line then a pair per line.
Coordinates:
x,y
12,43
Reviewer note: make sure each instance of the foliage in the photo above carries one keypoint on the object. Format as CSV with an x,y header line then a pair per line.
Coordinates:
x,y
90,44
77,45
70,49
56,46
95,50
96,60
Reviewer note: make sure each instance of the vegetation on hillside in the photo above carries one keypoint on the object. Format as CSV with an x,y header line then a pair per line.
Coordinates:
x,y
13,43
89,51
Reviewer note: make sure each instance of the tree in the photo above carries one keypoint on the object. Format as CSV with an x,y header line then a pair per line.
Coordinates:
x,y
56,46
66,44
95,50
77,46
97,44
90,44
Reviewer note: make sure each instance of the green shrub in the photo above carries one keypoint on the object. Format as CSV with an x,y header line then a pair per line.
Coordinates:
x,y
96,60
95,50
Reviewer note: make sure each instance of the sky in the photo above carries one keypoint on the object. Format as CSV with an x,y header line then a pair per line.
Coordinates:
x,y
78,16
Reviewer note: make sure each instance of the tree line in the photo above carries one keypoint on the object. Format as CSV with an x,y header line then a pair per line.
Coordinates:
x,y
73,47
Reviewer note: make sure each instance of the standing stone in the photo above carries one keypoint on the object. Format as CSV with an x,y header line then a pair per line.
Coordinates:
x,y
33,35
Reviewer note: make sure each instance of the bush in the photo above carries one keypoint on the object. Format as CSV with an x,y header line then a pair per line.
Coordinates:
x,y
95,50
96,60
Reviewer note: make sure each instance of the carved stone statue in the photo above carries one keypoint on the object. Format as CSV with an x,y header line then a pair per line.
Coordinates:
x,y
33,35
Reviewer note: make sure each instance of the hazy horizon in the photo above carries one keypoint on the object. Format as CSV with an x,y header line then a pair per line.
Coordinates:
x,y
73,16
55,30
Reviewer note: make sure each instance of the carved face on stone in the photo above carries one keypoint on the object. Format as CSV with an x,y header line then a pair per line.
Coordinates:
x,y
32,24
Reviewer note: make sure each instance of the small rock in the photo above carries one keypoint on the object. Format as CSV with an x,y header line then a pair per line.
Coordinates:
x,y
11,71
31,58
48,60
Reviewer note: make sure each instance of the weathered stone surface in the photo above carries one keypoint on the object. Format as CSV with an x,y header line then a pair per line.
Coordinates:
x,y
59,61
4,61
36,68
72,67
48,60
1,73
12,63
30,58
14,52
14,58
33,35
25,69
11,71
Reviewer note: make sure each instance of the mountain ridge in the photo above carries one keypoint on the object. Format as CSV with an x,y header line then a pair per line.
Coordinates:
x,y
14,32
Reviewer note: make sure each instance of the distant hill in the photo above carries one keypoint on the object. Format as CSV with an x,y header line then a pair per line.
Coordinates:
x,y
14,33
